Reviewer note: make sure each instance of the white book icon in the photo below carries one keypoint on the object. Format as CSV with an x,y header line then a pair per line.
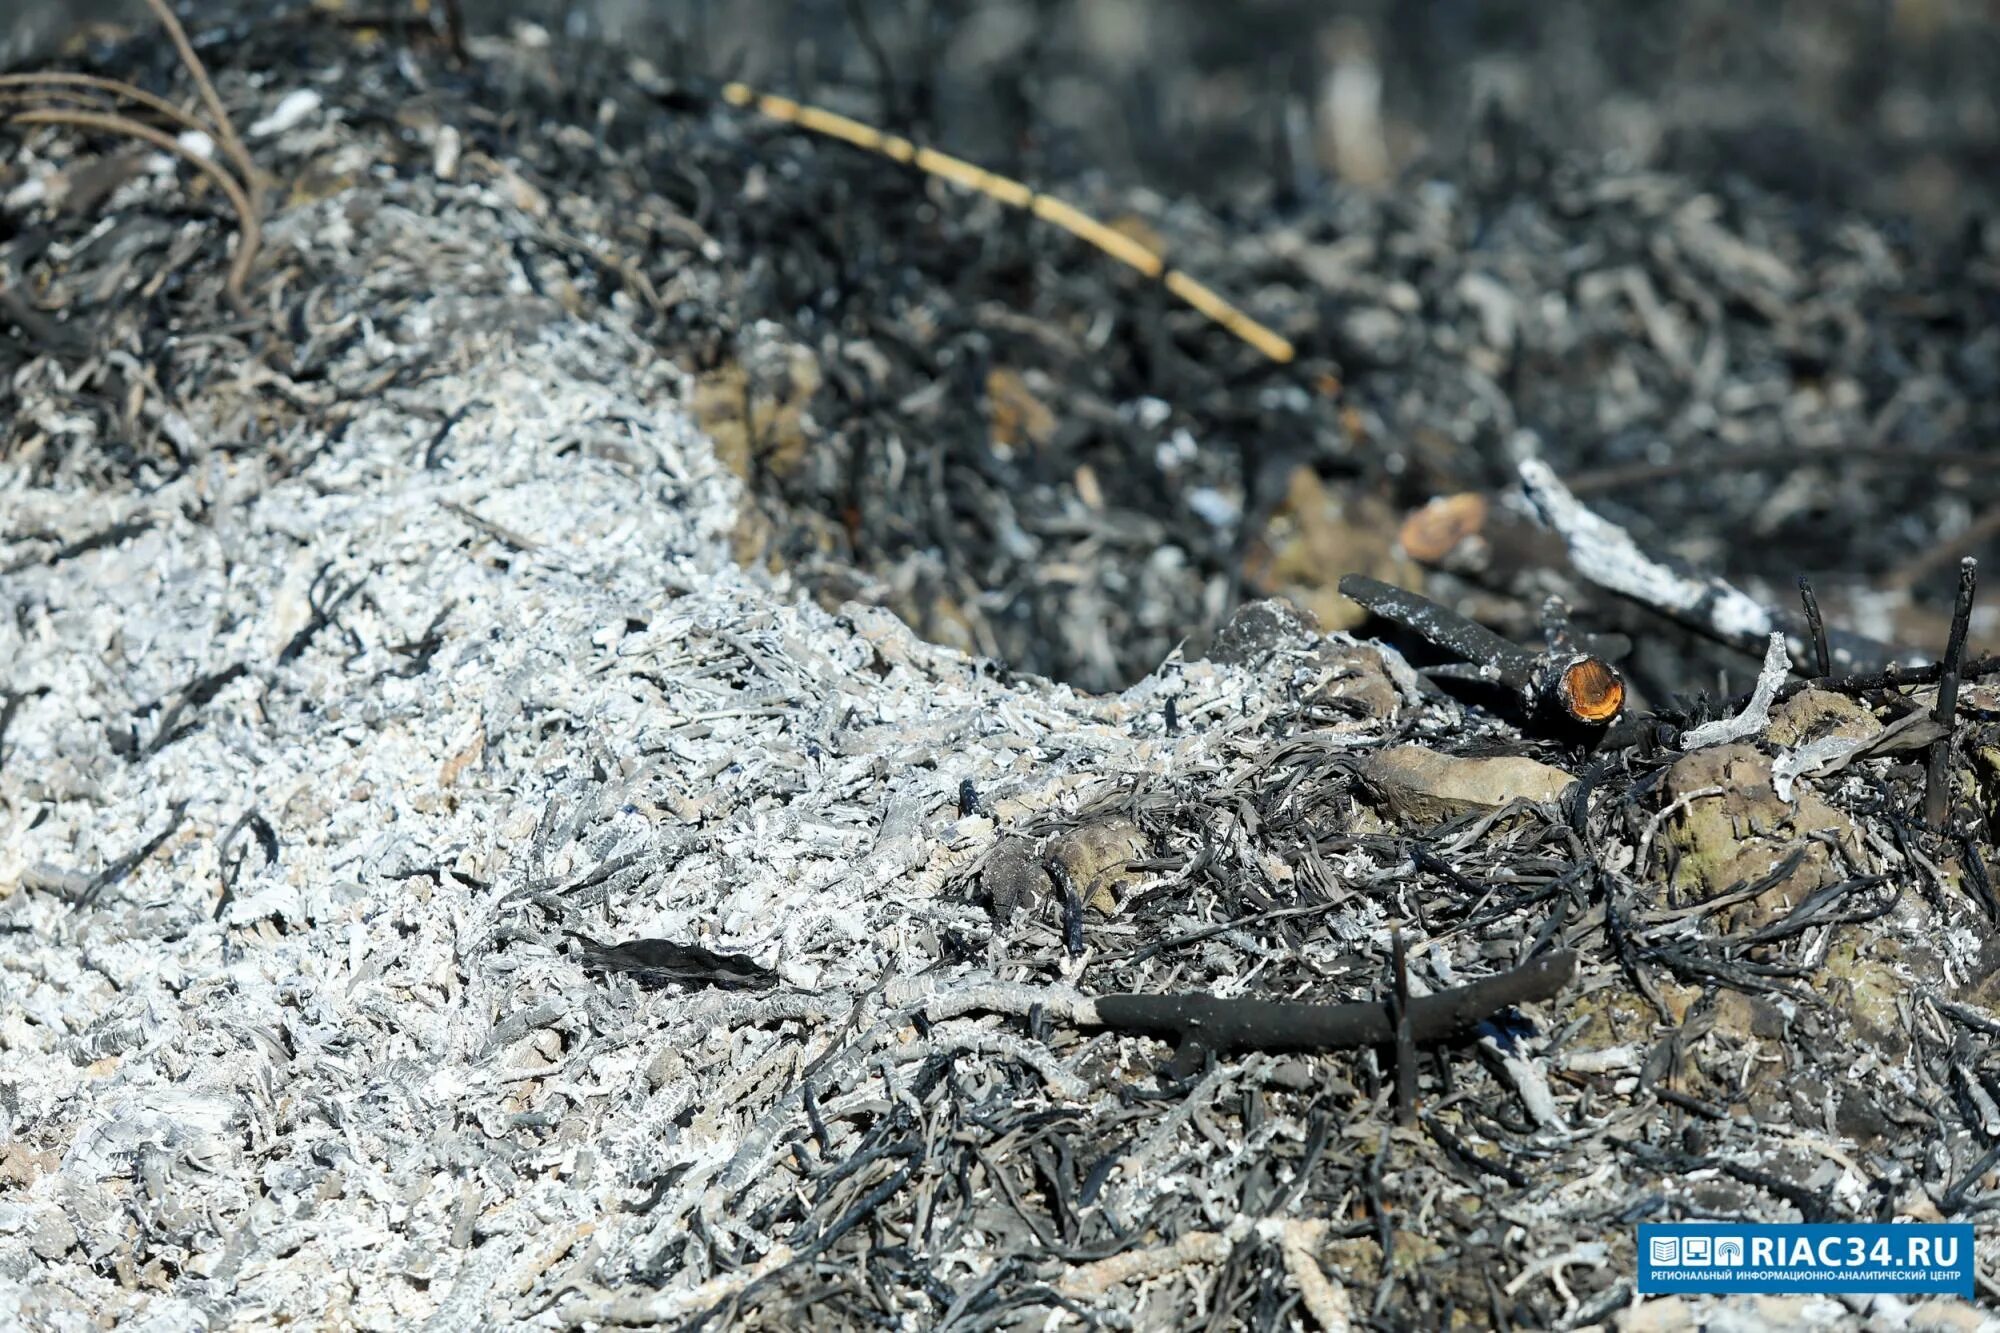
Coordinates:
x,y
1667,1250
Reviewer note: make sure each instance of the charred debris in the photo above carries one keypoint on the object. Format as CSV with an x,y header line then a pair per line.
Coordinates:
x,y
1386,999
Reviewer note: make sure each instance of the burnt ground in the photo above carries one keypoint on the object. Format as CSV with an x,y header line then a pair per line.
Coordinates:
x,y
1720,326
1621,237
1783,1007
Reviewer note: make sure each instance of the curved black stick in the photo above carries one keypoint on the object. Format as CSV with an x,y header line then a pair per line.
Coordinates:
x,y
1220,1025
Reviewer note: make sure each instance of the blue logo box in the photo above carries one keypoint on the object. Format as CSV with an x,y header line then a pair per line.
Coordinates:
x,y
1721,1257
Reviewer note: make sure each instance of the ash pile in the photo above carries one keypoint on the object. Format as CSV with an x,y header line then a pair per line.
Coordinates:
x,y
616,718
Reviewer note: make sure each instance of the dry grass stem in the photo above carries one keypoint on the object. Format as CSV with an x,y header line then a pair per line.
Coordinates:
x,y
246,213
225,128
45,93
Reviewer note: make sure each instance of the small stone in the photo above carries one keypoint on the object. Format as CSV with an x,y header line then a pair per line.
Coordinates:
x,y
1013,878
1745,1016
1359,683
1433,532
1319,533
1016,413
1095,857
19,1165
1426,787
1737,835
1916,1206
1811,715
1259,630
669,1066
757,410
1372,335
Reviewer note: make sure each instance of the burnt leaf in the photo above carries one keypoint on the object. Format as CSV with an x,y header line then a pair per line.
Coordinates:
x,y
667,963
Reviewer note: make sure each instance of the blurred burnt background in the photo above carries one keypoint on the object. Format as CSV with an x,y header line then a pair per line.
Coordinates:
x,y
1732,269
1884,104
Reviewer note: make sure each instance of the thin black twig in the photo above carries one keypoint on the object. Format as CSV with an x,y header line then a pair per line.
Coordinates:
x,y
197,693
1976,875
1816,627
1894,678
434,451
1459,1152
423,648
323,613
885,70
670,962
230,867
454,32
125,864
89,542
1954,1198
1072,906
1406,1043
1937,792
10,703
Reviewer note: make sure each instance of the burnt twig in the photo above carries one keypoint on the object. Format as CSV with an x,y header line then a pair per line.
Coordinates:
x,y
1816,627
454,32
229,867
125,864
323,614
423,648
1579,685
1406,1039
1605,554
1936,792
1895,678
94,541
1221,1026
197,693
51,337
1977,876
10,703
1505,662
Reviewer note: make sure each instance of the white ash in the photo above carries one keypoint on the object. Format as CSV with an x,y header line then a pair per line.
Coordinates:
x,y
319,1105
1609,557
1756,714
